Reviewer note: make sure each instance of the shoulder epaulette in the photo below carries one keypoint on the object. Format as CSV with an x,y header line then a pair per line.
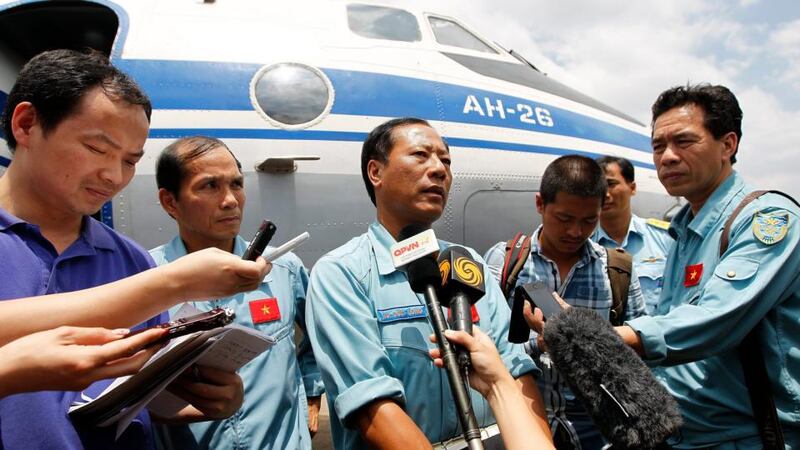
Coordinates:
x,y
664,225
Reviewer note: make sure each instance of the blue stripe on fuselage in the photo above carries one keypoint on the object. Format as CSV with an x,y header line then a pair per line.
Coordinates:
x,y
315,135
196,85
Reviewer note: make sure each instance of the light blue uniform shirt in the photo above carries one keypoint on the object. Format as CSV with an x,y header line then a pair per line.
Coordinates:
x,y
697,329
275,411
370,334
649,246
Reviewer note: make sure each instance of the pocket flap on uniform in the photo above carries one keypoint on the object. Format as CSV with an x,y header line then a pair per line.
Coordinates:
x,y
650,269
736,268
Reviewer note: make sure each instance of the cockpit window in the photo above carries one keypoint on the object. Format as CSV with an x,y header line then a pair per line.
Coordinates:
x,y
380,22
291,95
448,32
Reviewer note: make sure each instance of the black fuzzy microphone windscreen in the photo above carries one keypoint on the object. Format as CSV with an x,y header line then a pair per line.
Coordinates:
x,y
626,402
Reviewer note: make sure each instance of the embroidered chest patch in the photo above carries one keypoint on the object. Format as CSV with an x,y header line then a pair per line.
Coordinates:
x,y
652,259
693,275
770,228
401,313
265,310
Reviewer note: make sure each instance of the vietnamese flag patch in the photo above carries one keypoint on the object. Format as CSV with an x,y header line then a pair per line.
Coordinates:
x,y
693,275
264,310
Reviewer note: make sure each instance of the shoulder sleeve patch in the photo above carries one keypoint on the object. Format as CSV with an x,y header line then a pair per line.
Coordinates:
x,y
661,224
770,228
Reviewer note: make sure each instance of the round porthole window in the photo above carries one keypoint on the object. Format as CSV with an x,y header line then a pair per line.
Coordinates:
x,y
291,95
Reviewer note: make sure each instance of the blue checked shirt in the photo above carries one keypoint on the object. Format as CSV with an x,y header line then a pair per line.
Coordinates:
x,y
586,286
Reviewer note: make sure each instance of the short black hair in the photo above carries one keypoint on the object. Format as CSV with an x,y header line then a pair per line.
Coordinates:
x,y
625,166
56,81
379,143
722,113
171,164
574,175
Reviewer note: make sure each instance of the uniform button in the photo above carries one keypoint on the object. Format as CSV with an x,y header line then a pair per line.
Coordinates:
x,y
731,274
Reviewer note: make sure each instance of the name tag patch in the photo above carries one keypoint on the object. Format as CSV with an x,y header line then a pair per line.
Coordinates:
x,y
401,313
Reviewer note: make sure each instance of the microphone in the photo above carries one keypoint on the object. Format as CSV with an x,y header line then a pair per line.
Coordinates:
x,y
626,402
462,286
424,277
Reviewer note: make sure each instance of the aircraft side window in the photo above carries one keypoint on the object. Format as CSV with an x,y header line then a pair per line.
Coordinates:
x,y
291,95
381,22
448,32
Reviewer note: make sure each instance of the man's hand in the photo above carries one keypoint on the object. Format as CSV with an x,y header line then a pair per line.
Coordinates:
x,y
517,404
72,358
214,394
314,404
211,273
535,319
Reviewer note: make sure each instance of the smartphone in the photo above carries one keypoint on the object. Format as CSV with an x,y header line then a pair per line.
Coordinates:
x,y
260,240
543,298
518,329
217,317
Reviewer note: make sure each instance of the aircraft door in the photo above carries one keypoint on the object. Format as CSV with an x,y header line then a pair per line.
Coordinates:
x,y
491,216
10,65
31,28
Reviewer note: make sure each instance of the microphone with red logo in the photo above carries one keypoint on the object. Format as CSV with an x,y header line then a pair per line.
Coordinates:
x,y
462,286
415,252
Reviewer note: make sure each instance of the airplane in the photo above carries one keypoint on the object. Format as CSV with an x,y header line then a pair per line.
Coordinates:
x,y
293,88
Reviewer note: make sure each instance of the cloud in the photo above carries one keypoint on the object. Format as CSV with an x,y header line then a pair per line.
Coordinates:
x,y
785,43
625,53
768,152
786,38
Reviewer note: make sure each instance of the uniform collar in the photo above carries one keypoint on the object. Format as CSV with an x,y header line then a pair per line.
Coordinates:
x,y
638,228
382,242
239,245
590,250
708,216
175,249
635,228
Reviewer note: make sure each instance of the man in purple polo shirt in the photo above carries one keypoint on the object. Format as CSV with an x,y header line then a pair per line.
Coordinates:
x,y
77,127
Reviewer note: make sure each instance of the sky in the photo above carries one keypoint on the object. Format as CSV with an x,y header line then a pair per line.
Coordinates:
x,y
624,53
